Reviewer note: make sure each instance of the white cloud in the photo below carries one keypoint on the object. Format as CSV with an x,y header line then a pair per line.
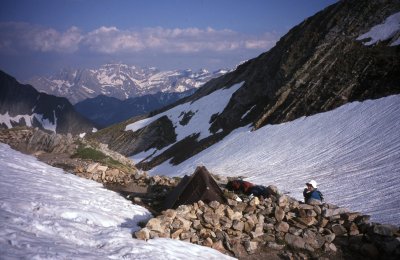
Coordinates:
x,y
111,40
22,36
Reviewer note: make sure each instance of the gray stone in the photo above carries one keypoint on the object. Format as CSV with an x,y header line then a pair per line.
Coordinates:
x,y
214,204
238,225
279,214
330,247
282,227
175,234
333,212
275,246
295,241
211,218
311,213
272,190
225,222
330,237
250,246
384,230
254,201
338,229
305,206
283,201
317,209
154,224
143,234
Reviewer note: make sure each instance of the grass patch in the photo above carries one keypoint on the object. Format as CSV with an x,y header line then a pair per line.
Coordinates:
x,y
88,153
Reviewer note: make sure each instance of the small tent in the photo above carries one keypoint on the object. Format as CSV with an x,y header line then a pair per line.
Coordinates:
x,y
200,186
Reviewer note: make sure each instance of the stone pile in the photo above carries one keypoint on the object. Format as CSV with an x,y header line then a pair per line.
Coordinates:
x,y
106,175
278,222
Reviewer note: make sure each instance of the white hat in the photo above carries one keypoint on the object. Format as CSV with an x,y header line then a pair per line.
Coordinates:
x,y
312,183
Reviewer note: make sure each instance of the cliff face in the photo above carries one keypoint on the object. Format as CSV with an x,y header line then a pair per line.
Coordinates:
x,y
317,66
24,105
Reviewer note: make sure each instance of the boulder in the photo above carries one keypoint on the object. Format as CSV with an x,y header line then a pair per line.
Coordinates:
x,y
219,246
238,225
143,234
305,206
296,242
272,190
334,211
282,227
254,201
275,246
283,201
154,224
338,229
279,214
384,230
92,168
250,246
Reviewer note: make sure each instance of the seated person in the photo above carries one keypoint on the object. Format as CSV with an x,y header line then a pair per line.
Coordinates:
x,y
311,194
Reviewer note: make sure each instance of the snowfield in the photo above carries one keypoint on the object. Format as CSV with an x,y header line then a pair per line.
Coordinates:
x,y
201,112
384,31
48,214
352,151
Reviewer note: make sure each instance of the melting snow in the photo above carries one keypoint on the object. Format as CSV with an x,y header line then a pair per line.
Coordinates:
x,y
203,109
352,151
46,124
384,31
47,214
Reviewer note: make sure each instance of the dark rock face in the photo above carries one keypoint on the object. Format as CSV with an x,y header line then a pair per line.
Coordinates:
x,y
316,67
17,99
158,134
106,111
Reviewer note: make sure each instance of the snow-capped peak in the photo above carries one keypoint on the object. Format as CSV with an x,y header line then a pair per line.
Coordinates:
x,y
121,81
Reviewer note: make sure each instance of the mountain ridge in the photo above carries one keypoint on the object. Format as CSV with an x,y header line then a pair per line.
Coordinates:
x,y
121,81
23,105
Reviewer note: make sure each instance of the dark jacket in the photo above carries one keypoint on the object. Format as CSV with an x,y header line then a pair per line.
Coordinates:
x,y
314,194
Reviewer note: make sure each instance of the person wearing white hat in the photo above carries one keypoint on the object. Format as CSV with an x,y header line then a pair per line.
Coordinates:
x,y
311,194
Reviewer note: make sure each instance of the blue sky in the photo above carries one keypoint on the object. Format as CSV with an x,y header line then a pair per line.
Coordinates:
x,y
39,37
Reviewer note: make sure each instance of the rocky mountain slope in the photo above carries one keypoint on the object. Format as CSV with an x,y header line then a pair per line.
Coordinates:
x,y
317,66
106,111
120,81
23,105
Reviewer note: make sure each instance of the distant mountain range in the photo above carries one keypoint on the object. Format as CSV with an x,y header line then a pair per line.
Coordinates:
x,y
22,105
105,111
120,81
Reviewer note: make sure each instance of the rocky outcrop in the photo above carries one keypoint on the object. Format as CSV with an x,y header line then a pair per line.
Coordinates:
x,y
276,223
106,166
317,66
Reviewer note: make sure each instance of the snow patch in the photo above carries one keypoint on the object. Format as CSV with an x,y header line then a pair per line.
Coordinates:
x,y
384,31
352,151
46,124
47,214
203,109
